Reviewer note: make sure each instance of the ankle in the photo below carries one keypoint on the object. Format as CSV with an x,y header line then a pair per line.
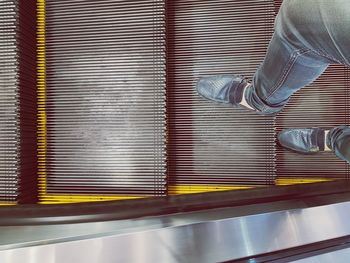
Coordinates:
x,y
244,102
326,147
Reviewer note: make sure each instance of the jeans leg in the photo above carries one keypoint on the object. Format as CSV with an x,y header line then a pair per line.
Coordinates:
x,y
339,140
300,50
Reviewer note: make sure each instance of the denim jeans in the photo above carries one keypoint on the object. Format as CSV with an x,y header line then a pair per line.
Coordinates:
x,y
309,35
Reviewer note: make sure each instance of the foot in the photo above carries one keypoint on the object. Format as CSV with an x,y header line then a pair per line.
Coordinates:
x,y
307,140
225,89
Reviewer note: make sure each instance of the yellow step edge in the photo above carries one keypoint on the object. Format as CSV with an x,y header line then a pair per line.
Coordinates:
x,y
291,181
7,203
191,189
65,199
41,97
173,190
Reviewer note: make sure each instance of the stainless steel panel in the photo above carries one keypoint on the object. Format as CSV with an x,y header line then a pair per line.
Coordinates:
x,y
340,256
209,236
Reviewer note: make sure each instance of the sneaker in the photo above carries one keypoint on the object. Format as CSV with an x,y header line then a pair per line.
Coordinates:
x,y
307,140
225,89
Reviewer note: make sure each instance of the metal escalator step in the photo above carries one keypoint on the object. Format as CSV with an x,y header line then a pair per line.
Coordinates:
x,y
211,144
105,98
116,85
208,143
9,132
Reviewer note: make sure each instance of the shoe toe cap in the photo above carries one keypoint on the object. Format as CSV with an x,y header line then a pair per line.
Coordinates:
x,y
205,88
215,88
298,140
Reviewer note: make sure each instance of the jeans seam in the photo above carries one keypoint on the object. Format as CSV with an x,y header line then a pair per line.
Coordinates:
x,y
320,53
293,58
323,54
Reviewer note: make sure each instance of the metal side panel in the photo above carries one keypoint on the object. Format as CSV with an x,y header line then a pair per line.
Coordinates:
x,y
340,256
211,144
206,236
105,98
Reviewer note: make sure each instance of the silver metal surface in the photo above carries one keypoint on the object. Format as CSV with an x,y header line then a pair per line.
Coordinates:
x,y
340,256
209,236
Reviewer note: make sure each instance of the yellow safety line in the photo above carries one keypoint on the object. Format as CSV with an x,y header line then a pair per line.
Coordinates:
x,y
191,189
8,203
41,93
173,190
290,181
63,199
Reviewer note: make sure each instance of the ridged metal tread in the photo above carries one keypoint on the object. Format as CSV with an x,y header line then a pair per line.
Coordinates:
x,y
18,167
211,144
9,104
208,143
105,97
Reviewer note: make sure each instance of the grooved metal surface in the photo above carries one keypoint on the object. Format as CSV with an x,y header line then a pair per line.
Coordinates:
x,y
106,113
27,70
9,101
208,143
105,97
325,103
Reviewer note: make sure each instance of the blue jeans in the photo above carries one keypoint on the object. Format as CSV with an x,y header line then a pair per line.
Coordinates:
x,y
309,35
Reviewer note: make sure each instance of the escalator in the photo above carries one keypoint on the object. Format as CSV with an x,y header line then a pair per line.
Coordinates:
x,y
118,115
98,103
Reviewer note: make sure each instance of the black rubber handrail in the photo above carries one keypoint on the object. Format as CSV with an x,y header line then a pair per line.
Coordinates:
x,y
131,209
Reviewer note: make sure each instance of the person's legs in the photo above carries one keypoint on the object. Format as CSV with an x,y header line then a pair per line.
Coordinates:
x,y
314,140
319,28
308,36
339,141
